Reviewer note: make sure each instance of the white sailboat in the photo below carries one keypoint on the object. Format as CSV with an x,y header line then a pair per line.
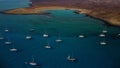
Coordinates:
x,y
29,2
69,58
47,46
28,37
45,35
13,49
1,37
8,42
32,29
58,39
33,63
102,35
6,30
118,35
81,36
104,31
103,43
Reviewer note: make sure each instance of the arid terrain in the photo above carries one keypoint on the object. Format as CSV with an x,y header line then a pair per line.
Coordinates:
x,y
107,10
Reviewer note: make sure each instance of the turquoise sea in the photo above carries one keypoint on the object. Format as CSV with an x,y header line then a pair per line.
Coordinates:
x,y
68,25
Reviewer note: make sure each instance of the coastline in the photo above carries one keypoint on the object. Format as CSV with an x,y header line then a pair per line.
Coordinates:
x,y
39,10
30,10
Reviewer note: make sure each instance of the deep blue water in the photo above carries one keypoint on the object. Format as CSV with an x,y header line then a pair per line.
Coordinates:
x,y
88,52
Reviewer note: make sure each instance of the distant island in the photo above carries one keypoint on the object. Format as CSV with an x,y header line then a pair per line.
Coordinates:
x,y
106,10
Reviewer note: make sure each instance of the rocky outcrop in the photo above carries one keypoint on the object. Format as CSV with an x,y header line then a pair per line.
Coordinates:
x,y
107,10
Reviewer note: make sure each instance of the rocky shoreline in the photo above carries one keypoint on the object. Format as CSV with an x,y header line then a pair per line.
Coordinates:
x,y
39,10
41,13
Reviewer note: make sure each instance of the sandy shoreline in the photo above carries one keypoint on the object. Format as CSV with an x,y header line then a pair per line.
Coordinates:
x,y
39,10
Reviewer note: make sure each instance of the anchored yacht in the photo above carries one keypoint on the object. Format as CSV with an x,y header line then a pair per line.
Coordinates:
x,y
81,36
8,42
48,46
69,58
33,63
45,35
6,30
104,31
102,35
13,49
28,37
103,43
1,37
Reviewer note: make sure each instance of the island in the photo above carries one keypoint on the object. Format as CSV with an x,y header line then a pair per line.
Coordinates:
x,y
105,10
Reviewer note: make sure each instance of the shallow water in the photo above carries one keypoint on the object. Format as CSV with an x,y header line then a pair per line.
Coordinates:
x,y
88,52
